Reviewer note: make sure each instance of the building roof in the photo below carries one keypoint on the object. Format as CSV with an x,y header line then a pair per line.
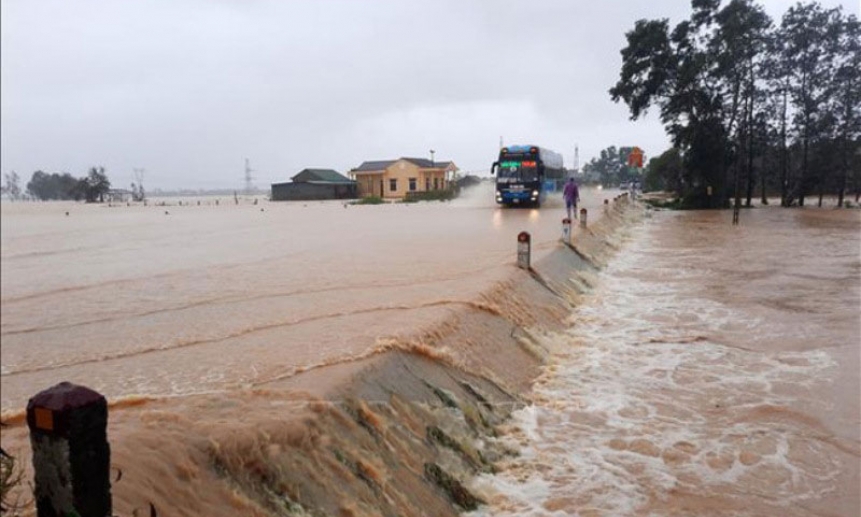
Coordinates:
x,y
424,163
318,175
376,165
379,165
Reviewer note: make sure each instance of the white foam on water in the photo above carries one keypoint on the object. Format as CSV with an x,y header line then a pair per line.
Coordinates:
x,y
643,400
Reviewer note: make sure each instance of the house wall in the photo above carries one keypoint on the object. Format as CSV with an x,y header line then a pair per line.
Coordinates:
x,y
368,184
312,191
401,171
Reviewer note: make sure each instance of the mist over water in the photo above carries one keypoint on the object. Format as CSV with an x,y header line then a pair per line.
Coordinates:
x,y
714,371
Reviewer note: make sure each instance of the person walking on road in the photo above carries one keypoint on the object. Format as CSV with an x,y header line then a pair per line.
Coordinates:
x,y
572,196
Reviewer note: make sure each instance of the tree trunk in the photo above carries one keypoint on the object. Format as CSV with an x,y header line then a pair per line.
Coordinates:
x,y
803,179
751,97
784,180
845,173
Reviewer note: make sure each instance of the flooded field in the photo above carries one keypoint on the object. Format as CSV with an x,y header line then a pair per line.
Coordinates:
x,y
193,299
366,360
714,371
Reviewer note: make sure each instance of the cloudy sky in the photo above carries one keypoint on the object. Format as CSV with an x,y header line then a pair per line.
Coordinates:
x,y
187,89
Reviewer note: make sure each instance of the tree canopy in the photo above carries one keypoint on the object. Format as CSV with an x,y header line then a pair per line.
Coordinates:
x,y
745,99
56,186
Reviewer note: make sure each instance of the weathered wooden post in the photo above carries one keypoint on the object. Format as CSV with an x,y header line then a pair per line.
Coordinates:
x,y
583,214
71,454
524,250
566,231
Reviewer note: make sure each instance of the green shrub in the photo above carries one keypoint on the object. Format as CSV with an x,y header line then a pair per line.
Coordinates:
x,y
370,200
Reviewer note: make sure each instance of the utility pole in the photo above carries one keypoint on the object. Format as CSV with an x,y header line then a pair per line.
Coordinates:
x,y
576,158
501,145
248,178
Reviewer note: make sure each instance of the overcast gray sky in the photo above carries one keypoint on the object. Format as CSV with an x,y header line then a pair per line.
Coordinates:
x,y
188,89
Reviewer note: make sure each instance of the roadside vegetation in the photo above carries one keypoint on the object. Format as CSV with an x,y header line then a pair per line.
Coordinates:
x,y
369,200
11,476
753,106
611,168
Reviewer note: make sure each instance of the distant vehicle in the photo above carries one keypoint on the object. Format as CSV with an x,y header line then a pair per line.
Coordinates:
x,y
526,173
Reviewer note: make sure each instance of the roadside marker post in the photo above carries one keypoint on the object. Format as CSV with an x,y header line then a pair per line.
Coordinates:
x,y
583,214
71,454
524,250
566,231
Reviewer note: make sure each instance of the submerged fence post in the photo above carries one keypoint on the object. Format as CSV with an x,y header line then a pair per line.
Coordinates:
x,y
71,454
524,250
566,231
583,214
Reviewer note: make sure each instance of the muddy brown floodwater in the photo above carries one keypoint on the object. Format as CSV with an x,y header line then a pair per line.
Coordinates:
x,y
714,371
137,301
322,359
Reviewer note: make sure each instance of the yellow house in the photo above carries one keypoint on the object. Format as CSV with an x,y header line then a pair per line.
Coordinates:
x,y
393,179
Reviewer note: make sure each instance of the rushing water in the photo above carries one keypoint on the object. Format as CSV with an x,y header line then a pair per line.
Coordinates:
x,y
714,371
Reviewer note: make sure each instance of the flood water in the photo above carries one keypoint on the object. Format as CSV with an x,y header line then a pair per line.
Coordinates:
x,y
714,371
203,298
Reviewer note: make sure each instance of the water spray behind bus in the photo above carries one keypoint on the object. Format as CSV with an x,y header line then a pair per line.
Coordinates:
x,y
526,173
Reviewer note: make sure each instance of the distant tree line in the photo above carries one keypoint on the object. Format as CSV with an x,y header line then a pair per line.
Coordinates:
x,y
55,186
610,167
10,185
749,104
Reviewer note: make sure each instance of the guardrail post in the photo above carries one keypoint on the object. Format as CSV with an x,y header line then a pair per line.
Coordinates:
x,y
566,231
524,250
583,214
71,454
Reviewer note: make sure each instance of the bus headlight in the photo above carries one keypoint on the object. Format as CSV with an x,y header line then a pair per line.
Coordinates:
x,y
534,193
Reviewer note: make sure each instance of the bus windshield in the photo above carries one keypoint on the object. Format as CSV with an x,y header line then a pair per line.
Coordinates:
x,y
516,170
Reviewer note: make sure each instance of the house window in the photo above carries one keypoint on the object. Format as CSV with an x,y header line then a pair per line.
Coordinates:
x,y
393,184
412,184
427,183
435,183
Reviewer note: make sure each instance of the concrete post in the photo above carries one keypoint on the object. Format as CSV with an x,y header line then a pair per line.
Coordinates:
x,y
524,250
566,231
71,454
583,214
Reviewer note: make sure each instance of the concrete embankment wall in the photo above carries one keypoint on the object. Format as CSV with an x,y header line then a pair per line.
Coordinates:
x,y
404,429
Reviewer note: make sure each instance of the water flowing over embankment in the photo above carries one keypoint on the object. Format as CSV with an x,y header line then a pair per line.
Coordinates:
x,y
398,430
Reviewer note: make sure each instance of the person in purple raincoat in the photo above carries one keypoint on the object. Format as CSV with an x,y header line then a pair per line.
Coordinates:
x,y
572,196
